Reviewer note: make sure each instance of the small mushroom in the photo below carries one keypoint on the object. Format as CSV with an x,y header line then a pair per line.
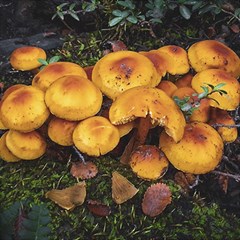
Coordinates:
x,y
228,101
24,109
184,81
60,131
198,152
179,59
26,58
148,162
95,136
26,146
73,98
118,71
209,54
168,87
5,153
55,70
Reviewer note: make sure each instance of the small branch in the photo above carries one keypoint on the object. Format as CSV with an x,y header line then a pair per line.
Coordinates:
x,y
79,155
236,177
225,125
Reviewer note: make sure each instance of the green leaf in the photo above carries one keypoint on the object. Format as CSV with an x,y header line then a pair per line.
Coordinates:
x,y
54,59
198,5
237,12
43,61
115,21
60,15
207,8
185,12
74,15
122,14
72,6
127,4
132,19
219,86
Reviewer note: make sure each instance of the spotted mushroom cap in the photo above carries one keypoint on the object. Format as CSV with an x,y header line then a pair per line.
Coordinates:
x,y
73,98
24,109
209,54
55,70
198,152
95,136
122,70
26,58
26,146
179,59
228,101
142,101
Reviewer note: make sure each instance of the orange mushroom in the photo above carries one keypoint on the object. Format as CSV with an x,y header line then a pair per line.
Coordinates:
x,y
168,87
198,152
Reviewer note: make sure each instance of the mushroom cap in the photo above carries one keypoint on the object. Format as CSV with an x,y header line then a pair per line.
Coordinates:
x,y
27,146
55,70
26,58
198,152
126,128
73,98
161,61
5,153
168,87
118,71
209,54
60,131
95,136
24,109
228,101
179,59
142,101
184,81
219,116
148,162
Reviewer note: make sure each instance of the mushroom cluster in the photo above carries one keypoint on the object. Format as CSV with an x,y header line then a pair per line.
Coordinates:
x,y
126,93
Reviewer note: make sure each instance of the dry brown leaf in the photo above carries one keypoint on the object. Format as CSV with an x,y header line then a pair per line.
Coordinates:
x,y
235,28
185,180
84,170
70,197
155,199
122,189
223,182
98,208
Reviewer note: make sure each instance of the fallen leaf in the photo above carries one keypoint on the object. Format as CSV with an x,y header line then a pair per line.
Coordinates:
x,y
117,45
235,28
122,189
185,180
223,182
70,197
156,199
98,208
84,170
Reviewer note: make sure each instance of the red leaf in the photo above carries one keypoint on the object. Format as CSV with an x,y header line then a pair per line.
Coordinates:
x,y
98,208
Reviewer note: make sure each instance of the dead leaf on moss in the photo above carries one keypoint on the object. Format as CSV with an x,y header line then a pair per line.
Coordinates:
x,y
98,208
185,180
84,170
122,189
70,197
155,199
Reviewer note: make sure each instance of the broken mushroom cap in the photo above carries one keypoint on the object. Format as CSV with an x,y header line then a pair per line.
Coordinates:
x,y
148,162
209,54
73,98
179,59
161,61
168,87
26,146
26,58
198,152
24,109
53,71
222,117
139,102
118,71
228,101
60,131
95,136
5,153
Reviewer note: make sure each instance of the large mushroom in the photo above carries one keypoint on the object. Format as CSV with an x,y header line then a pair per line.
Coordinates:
x,y
55,70
73,98
198,152
118,71
208,54
24,109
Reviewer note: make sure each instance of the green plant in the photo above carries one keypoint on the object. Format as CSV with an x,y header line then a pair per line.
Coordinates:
x,y
62,11
20,222
48,61
188,106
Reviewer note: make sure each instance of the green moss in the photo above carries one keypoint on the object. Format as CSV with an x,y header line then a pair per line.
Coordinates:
x,y
185,218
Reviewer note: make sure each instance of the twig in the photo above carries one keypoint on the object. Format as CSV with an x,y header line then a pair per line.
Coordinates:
x,y
79,155
236,177
225,125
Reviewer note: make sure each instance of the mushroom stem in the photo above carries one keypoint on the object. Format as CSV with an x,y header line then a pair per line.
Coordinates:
x,y
138,138
79,155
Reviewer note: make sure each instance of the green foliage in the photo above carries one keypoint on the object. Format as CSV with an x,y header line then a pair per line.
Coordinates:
x,y
66,9
48,61
188,106
16,223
